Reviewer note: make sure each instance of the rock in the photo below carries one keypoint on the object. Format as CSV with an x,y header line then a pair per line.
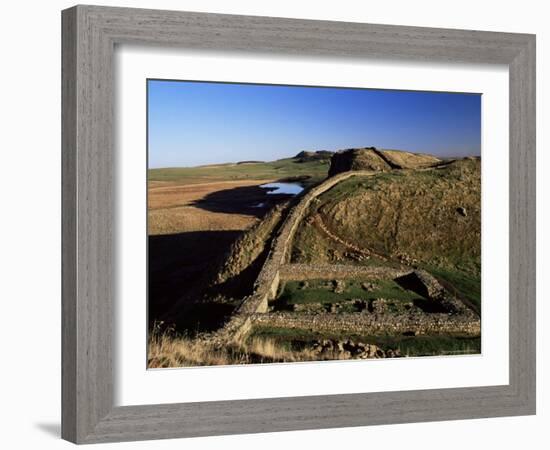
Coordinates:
x,y
309,307
317,347
349,345
371,159
305,156
379,306
357,159
423,283
374,351
339,286
369,287
462,211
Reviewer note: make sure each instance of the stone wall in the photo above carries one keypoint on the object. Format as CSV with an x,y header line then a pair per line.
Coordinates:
x,y
249,245
300,272
357,159
267,282
371,323
253,309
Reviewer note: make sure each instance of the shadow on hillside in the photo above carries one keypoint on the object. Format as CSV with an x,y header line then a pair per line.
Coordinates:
x,y
179,263
412,283
249,200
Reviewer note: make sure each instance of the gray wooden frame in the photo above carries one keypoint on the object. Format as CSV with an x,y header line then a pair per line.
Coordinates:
x,y
89,36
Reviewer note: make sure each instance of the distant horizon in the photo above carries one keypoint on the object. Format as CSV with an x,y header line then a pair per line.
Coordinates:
x,y
194,124
294,155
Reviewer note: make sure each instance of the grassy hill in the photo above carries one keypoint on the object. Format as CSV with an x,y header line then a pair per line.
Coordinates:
x,y
316,169
429,218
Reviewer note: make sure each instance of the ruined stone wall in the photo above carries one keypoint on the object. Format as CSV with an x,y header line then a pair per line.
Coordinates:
x,y
368,323
249,245
300,272
266,285
252,312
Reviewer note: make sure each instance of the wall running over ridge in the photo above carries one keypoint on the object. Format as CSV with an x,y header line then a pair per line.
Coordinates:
x,y
267,283
253,311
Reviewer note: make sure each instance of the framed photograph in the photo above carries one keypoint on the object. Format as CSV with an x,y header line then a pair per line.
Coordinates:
x,y
278,224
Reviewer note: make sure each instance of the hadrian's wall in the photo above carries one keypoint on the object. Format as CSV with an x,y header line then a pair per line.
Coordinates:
x,y
267,282
300,272
253,309
368,323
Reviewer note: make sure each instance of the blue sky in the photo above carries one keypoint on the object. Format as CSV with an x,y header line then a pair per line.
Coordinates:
x,y
195,123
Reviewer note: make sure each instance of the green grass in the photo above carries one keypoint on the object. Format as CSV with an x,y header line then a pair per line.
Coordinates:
x,y
434,345
279,169
407,345
313,246
404,213
321,291
356,184
461,284
411,212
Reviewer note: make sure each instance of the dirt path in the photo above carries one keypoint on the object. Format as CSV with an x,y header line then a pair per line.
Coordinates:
x,y
317,219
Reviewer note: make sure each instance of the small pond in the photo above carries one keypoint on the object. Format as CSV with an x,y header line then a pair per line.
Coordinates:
x,y
283,188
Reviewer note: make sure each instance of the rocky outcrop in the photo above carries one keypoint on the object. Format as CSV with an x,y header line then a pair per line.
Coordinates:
x,y
409,160
357,159
370,158
305,156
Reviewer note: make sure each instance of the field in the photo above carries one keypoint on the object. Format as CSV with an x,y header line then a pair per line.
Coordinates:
x,y
315,169
195,215
327,292
384,263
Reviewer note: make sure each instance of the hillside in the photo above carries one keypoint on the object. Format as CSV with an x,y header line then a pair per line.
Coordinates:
x,y
315,169
386,257
429,218
370,158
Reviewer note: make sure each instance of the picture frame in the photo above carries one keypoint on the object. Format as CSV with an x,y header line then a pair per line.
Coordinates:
x,y
90,34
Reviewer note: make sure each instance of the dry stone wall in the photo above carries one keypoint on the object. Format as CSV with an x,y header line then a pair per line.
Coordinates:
x,y
267,282
301,272
369,323
253,311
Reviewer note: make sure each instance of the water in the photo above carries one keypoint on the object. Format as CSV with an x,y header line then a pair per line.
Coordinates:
x,y
283,188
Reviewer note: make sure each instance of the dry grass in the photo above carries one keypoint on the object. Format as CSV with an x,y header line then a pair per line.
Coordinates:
x,y
167,350
189,218
410,160
171,207
409,213
171,194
